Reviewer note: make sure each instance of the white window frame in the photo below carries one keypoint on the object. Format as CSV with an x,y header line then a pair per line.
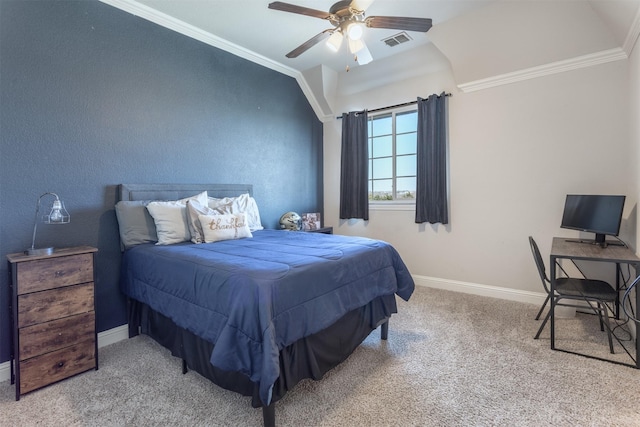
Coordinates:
x,y
396,204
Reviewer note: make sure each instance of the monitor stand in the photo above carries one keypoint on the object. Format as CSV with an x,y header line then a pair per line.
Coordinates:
x,y
599,240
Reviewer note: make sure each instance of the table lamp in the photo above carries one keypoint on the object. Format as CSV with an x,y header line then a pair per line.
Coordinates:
x,y
58,215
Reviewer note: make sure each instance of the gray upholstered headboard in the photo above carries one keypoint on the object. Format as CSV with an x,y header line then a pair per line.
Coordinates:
x,y
179,191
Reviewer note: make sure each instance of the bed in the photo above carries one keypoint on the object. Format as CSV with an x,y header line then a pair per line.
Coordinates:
x,y
254,314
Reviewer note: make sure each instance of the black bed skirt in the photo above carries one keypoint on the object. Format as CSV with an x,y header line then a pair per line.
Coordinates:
x,y
309,357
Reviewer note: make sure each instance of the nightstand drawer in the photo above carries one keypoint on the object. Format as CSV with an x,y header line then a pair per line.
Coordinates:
x,y
40,307
50,336
57,365
49,273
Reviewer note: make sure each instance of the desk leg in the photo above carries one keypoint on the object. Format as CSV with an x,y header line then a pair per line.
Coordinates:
x,y
637,269
552,272
616,312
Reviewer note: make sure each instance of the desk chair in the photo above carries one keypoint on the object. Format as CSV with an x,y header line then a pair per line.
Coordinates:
x,y
596,292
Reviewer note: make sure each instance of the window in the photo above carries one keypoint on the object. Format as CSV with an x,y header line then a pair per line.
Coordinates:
x,y
392,156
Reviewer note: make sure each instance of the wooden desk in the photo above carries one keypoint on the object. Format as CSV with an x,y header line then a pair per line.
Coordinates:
x,y
561,248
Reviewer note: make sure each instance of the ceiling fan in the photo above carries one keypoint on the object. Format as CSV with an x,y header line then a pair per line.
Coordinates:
x,y
348,20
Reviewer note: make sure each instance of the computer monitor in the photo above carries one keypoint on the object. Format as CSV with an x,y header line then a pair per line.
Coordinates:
x,y
599,214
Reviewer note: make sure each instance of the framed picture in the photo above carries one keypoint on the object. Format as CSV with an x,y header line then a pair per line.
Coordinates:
x,y
311,221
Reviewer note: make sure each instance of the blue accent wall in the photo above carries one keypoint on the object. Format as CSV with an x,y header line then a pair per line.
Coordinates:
x,y
91,96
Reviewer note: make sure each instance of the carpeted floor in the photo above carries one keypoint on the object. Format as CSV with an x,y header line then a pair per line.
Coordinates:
x,y
452,359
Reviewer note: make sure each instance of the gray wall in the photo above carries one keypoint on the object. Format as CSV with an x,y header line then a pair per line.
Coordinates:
x,y
91,97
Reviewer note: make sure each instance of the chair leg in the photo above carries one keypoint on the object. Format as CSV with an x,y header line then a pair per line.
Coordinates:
x,y
605,314
544,322
601,310
543,306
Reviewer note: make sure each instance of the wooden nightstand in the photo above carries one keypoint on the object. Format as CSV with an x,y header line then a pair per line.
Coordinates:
x,y
53,313
325,230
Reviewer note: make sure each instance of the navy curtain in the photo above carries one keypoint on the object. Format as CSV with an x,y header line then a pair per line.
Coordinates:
x,y
431,176
354,167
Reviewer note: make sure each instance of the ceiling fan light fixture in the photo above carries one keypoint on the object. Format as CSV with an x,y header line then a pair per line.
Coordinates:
x,y
355,46
364,56
348,20
355,30
335,41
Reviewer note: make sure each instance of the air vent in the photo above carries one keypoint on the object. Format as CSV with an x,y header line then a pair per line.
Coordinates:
x,y
397,39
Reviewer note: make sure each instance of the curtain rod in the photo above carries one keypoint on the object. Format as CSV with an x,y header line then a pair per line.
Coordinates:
x,y
396,106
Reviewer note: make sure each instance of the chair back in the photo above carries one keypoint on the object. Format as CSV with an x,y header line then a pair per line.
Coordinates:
x,y
540,264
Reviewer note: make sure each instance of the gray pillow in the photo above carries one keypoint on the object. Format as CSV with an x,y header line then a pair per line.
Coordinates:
x,y
135,223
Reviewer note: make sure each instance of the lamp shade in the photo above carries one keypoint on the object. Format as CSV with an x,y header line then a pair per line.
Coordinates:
x,y
355,46
355,30
335,41
364,56
57,215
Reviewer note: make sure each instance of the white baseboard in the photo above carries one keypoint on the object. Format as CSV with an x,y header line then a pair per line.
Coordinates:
x,y
482,290
112,336
105,338
536,298
5,371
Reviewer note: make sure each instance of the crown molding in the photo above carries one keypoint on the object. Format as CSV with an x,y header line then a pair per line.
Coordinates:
x,y
583,61
188,30
323,116
632,35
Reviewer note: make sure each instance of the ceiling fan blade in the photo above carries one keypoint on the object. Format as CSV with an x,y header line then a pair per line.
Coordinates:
x,y
310,43
292,8
399,23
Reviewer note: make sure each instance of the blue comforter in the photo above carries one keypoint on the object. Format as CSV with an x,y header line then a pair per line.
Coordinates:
x,y
254,296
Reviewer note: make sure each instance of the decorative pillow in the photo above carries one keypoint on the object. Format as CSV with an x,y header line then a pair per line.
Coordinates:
x,y
243,203
224,227
247,204
170,219
135,224
194,209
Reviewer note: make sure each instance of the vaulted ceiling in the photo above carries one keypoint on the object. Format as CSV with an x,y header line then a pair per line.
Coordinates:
x,y
482,42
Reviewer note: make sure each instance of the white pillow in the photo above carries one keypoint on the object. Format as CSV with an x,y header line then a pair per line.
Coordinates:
x,y
201,198
247,204
195,209
170,219
224,227
223,205
243,203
